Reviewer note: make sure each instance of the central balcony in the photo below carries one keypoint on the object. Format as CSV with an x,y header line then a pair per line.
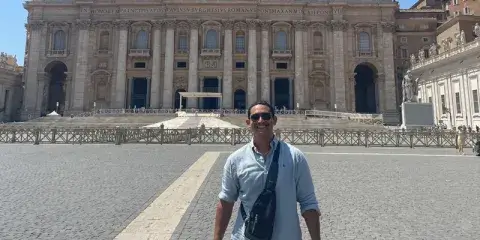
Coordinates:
x,y
276,53
139,53
215,52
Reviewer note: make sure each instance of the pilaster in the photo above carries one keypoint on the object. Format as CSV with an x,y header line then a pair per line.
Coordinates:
x,y
31,79
265,59
389,67
155,97
81,69
252,61
120,82
193,62
169,59
227,100
338,28
300,27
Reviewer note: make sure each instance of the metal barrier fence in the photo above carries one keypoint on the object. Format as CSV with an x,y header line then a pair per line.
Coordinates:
x,y
321,137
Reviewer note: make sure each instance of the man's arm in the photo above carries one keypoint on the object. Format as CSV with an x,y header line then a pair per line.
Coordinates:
x,y
228,195
306,196
222,217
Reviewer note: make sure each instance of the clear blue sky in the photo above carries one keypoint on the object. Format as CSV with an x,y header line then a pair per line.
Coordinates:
x,y
12,25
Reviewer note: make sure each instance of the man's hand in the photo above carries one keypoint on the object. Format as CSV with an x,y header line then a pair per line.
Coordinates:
x,y
312,218
223,214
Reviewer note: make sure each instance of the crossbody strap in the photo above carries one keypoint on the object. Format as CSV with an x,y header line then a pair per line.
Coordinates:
x,y
272,176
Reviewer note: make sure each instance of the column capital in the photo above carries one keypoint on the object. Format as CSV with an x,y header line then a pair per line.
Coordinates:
x,y
170,23
157,24
300,25
83,24
121,24
388,27
265,24
338,25
35,25
228,24
252,23
194,23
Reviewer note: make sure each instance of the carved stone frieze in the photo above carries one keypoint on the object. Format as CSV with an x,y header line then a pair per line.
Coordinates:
x,y
300,25
252,23
35,25
265,25
228,24
121,24
102,25
388,27
338,25
194,23
180,82
240,26
83,24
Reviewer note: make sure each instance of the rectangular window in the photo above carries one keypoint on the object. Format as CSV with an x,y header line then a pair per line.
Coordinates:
x,y
444,108
475,101
139,65
282,65
5,100
404,53
240,65
457,103
181,64
240,44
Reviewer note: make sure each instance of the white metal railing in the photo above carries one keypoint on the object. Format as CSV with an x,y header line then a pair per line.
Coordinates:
x,y
139,52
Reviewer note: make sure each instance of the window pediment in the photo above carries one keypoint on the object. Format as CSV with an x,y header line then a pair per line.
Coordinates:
x,y
182,25
141,25
240,26
281,26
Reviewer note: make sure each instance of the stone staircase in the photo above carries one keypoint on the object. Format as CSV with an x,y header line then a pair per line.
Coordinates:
x,y
299,122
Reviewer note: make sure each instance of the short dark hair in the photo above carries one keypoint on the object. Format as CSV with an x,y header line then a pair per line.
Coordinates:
x,y
264,103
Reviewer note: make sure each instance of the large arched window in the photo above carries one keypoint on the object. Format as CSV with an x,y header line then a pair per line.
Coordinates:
x,y
281,40
59,39
364,42
211,39
240,42
141,41
104,40
317,42
182,41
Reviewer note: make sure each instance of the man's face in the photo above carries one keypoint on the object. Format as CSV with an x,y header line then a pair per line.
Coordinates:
x,y
261,121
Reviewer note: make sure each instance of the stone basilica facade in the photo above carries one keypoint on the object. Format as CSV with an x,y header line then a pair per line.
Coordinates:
x,y
117,54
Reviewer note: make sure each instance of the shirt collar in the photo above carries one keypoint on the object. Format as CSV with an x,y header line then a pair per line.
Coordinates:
x,y
273,144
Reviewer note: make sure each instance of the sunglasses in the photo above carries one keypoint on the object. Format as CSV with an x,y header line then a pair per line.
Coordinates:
x,y
265,116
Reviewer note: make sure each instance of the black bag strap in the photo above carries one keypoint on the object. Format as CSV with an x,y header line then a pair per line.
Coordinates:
x,y
272,176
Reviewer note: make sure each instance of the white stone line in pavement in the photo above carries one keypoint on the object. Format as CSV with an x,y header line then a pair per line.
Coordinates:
x,y
376,154
169,124
211,122
159,220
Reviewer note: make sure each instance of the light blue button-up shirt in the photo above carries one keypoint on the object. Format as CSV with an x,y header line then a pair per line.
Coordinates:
x,y
244,176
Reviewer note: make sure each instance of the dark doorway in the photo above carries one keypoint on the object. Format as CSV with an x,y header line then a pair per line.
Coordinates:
x,y
56,88
139,93
210,85
365,95
239,99
177,99
282,93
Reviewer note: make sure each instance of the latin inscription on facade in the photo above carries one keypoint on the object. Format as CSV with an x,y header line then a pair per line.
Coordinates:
x,y
153,10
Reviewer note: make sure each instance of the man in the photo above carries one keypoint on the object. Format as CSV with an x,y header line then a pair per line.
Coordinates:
x,y
244,177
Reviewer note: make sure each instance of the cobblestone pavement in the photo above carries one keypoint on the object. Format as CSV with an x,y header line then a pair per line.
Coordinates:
x,y
94,191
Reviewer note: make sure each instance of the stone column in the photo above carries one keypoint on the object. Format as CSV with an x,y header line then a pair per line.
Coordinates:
x,y
168,71
299,78
338,28
193,63
155,97
120,82
265,58
389,67
252,61
33,58
81,69
227,101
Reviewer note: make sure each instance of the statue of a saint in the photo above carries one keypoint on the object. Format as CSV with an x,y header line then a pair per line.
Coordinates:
x,y
462,37
413,59
421,55
432,51
476,30
407,86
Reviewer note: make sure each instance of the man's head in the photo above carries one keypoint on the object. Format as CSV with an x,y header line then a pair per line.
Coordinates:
x,y
261,119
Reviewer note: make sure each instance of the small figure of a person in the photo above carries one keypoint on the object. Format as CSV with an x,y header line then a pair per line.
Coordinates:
x,y
461,139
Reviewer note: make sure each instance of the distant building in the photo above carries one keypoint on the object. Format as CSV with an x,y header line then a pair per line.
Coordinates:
x,y
10,87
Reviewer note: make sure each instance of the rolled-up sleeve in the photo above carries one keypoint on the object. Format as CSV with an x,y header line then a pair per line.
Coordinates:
x,y
305,190
230,186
